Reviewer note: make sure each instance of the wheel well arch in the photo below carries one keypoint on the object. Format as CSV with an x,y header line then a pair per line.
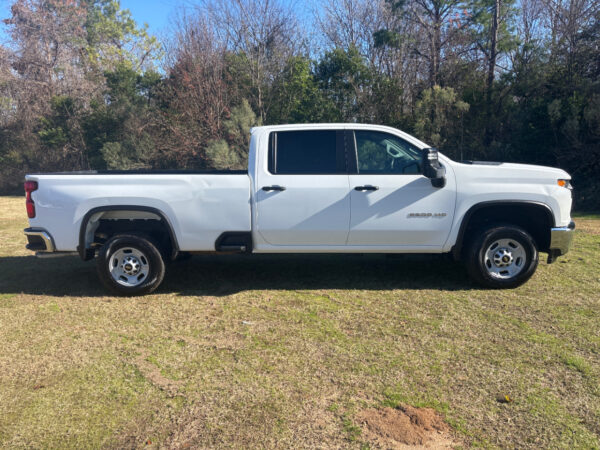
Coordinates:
x,y
125,213
534,217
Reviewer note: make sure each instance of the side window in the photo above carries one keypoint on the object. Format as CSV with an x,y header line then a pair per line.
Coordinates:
x,y
306,152
383,153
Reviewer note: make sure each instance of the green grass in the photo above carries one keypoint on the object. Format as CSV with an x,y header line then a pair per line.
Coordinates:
x,y
285,351
586,215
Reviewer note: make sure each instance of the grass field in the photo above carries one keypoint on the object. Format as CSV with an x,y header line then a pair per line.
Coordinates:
x,y
286,351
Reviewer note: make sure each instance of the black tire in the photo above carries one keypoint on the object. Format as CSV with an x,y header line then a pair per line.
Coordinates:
x,y
499,267
125,253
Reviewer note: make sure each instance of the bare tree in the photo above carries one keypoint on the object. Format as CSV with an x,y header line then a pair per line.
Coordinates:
x,y
353,23
565,20
49,61
198,90
367,26
7,88
440,22
530,26
264,31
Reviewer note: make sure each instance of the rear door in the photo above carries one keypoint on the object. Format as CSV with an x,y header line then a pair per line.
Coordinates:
x,y
392,203
302,196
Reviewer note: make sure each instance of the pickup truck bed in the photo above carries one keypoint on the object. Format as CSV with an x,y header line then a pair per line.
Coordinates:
x,y
192,203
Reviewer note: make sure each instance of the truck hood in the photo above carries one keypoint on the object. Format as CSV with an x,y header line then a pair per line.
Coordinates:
x,y
513,170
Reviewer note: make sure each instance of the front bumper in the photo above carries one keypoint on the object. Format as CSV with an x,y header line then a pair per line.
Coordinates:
x,y
39,240
560,239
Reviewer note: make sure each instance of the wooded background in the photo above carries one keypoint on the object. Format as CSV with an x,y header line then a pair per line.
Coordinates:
x,y
83,86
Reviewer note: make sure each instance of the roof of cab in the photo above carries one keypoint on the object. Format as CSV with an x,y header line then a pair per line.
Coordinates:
x,y
354,126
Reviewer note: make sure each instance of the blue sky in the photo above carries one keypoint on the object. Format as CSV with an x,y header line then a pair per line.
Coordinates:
x,y
154,12
157,13
4,13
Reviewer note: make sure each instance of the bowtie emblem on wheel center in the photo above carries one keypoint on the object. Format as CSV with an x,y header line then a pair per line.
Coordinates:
x,y
503,257
131,265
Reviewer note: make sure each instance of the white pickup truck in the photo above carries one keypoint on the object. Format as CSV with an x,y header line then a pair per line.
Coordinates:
x,y
326,188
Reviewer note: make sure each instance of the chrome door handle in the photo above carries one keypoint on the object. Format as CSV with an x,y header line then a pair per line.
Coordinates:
x,y
368,187
273,188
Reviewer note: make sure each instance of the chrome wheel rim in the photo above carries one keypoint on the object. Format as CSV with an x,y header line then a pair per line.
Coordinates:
x,y
505,259
129,266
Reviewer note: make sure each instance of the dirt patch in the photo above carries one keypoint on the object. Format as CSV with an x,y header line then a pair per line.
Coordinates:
x,y
153,374
405,427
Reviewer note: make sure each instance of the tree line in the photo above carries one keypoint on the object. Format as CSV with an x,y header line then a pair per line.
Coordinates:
x,y
83,86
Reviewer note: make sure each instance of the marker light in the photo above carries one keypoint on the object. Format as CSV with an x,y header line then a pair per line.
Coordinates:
x,y
564,183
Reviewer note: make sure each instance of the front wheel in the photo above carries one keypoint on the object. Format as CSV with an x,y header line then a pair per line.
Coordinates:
x,y
502,257
130,265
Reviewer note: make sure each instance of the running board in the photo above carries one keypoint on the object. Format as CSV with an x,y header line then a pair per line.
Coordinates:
x,y
232,248
46,255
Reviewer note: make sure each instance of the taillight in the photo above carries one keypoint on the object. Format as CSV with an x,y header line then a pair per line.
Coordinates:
x,y
30,186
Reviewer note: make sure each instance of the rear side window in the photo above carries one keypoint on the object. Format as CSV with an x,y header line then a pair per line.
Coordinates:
x,y
306,152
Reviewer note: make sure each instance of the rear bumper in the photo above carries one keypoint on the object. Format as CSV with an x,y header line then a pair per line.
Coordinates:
x,y
39,240
560,239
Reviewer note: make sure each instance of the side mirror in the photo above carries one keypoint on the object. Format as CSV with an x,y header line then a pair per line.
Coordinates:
x,y
433,169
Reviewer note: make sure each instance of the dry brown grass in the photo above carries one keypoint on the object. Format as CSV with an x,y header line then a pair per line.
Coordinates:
x,y
286,351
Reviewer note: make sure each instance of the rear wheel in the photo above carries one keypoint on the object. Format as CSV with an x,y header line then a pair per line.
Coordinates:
x,y
502,257
130,265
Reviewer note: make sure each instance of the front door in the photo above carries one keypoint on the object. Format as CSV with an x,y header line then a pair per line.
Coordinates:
x,y
303,197
392,203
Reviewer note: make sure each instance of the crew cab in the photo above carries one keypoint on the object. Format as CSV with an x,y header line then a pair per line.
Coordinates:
x,y
318,188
